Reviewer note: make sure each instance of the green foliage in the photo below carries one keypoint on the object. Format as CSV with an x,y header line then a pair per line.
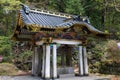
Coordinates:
x,y
5,48
112,50
102,13
94,67
8,16
74,7
69,6
95,55
9,4
7,23
110,67
94,10
101,54
23,60
58,5
5,45
25,55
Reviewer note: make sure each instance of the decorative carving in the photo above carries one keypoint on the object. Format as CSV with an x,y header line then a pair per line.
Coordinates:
x,y
47,40
58,30
77,28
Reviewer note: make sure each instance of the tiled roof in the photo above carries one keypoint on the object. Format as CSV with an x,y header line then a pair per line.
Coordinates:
x,y
41,19
53,20
50,19
47,19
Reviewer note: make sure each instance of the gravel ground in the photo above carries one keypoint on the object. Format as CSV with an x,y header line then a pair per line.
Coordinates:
x,y
62,77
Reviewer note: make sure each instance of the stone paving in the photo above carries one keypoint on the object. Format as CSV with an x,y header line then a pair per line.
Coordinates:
x,y
62,77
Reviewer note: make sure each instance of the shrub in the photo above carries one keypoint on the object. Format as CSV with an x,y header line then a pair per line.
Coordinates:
x,y
110,67
101,55
95,55
23,60
5,48
113,53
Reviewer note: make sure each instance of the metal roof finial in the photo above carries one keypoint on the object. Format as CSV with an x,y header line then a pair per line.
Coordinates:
x,y
25,8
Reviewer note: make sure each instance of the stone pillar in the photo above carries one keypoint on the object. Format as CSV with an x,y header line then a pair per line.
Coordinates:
x,y
43,61
47,62
35,62
85,61
54,59
40,55
80,61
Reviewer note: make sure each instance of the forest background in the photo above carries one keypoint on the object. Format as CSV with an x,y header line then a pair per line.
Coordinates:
x,y
103,14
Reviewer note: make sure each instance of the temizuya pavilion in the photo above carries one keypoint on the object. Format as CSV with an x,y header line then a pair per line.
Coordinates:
x,y
45,28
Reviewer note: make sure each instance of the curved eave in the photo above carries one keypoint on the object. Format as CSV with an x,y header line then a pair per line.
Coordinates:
x,y
92,29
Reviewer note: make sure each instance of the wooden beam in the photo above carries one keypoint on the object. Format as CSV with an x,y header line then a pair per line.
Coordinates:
x,y
69,42
62,41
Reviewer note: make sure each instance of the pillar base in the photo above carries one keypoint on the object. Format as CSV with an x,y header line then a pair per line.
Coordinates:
x,y
32,75
86,74
46,78
79,75
58,76
54,78
40,75
49,78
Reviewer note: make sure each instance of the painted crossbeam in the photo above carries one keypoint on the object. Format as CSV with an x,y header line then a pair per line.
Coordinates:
x,y
62,41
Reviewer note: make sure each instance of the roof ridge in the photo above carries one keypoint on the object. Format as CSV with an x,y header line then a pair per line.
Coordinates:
x,y
59,14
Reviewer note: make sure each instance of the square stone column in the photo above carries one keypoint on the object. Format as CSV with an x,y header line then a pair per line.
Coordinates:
x,y
85,61
46,62
80,61
43,61
54,61
35,62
